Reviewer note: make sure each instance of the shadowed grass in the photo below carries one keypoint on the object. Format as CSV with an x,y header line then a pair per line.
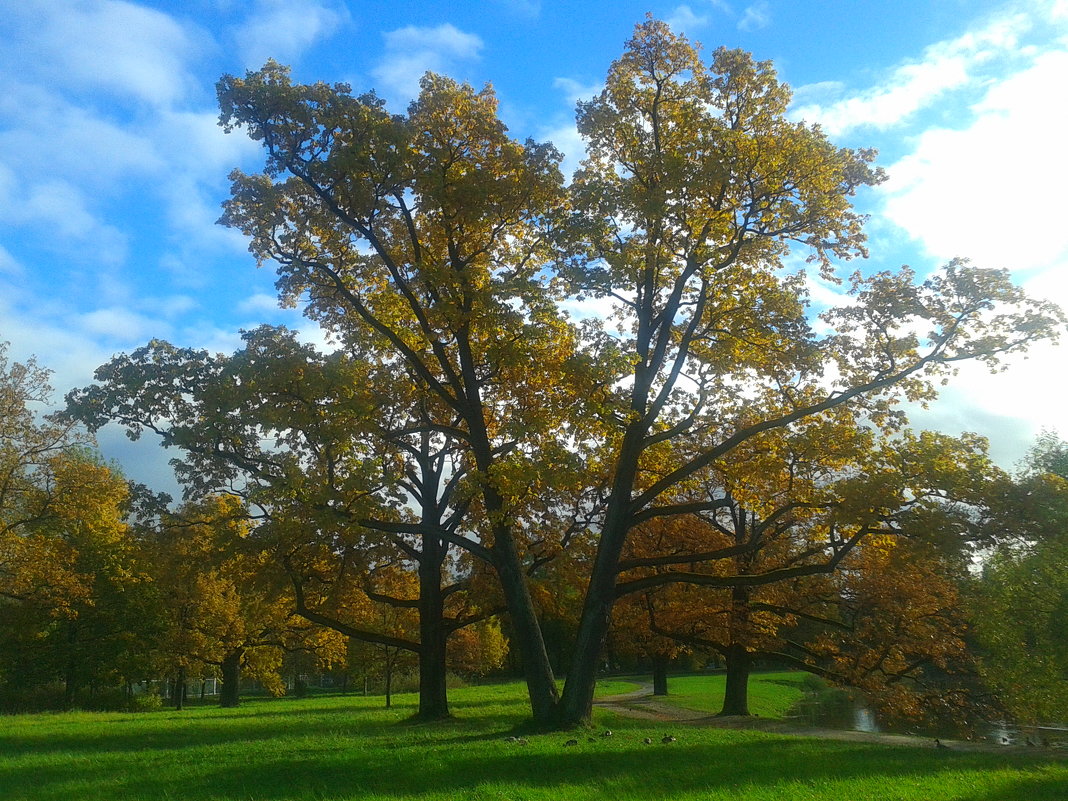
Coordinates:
x,y
346,748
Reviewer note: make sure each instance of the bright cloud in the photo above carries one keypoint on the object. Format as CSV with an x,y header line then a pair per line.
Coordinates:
x,y
755,17
914,86
259,302
119,324
285,29
62,209
412,51
104,45
685,20
53,135
8,264
983,181
993,191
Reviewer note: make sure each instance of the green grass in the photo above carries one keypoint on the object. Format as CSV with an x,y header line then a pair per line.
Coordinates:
x,y
338,748
771,695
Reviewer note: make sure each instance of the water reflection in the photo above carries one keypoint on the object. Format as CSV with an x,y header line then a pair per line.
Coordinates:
x,y
836,709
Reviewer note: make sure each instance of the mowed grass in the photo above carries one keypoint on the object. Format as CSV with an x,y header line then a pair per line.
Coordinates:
x,y
770,694
334,748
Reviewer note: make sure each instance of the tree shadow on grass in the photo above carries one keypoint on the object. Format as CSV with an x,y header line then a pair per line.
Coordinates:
x,y
189,731
457,768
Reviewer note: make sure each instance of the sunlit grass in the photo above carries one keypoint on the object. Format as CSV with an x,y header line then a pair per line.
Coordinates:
x,y
771,695
346,748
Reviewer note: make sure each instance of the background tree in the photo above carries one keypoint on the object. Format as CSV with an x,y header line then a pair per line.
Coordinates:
x,y
74,599
1021,601
226,604
345,470
791,557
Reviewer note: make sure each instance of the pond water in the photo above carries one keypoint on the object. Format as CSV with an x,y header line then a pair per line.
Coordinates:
x,y
839,711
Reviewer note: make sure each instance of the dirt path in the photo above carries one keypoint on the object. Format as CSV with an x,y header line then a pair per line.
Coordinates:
x,y
643,705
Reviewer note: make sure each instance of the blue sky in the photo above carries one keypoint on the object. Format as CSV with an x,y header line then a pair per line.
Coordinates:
x,y
112,167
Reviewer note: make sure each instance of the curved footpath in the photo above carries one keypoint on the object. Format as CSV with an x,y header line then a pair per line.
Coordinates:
x,y
644,705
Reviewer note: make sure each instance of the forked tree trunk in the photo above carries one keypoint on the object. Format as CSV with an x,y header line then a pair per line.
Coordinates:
x,y
576,704
526,628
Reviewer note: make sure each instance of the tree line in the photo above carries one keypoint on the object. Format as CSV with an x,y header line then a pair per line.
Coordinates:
x,y
710,461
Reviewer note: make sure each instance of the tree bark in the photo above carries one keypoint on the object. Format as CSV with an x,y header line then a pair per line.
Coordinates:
x,y
230,694
736,694
179,689
433,694
660,674
537,670
70,670
389,678
576,704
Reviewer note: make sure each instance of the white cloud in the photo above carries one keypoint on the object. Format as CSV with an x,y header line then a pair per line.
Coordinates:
x,y
993,191
285,29
169,307
9,265
62,209
591,308
104,45
575,91
52,135
914,86
412,51
1009,408
192,212
195,141
259,302
567,140
684,20
755,17
119,324
826,294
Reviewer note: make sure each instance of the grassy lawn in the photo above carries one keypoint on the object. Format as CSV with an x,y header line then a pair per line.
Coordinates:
x,y
770,694
350,748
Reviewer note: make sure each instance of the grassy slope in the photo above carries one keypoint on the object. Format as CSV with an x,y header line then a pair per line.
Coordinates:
x,y
349,748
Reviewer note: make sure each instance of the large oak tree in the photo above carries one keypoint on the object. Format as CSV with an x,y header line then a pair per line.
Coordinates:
x,y
433,243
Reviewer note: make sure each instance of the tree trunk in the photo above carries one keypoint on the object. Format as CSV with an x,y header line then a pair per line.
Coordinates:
x,y
576,705
660,674
179,689
70,671
433,694
537,670
389,679
736,694
230,694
